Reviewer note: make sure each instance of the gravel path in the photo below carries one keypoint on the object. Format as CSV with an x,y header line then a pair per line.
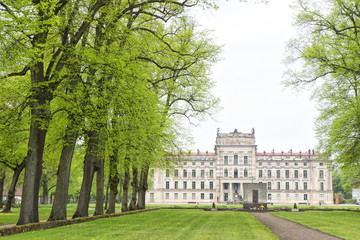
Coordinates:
x,y
288,230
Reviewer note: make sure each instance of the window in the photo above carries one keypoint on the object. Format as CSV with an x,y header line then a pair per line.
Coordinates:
x,y
321,164
211,163
193,196
260,163
236,174
245,160
184,173
260,173
211,185
296,186
211,173
176,173
193,163
305,174
278,173
321,186
269,185
305,186
287,196
167,195
193,185
287,164
184,196
269,173
226,173
269,196
305,164
167,172
185,163
226,196
236,160
226,186
269,164
321,197
176,185
176,195
278,185
245,172
167,185
211,196
296,197
184,185
321,173
278,164
202,185
193,173
202,163
202,195
296,164
202,173
278,196
296,173
287,173
226,160
305,197
287,185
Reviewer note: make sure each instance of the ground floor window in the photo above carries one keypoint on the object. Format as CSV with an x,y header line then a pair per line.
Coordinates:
x,y
226,196
305,197
278,196
202,195
321,197
193,196
167,195
151,197
184,196
176,196
211,196
287,196
296,197
269,196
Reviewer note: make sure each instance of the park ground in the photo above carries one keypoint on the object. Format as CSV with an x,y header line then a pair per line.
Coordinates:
x,y
189,224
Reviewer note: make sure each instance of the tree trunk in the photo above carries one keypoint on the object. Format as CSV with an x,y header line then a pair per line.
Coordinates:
x,y
88,176
2,180
124,203
113,181
135,187
106,197
44,183
120,187
12,188
58,211
100,159
143,187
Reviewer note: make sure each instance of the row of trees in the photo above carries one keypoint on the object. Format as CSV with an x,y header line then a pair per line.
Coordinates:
x,y
325,58
108,81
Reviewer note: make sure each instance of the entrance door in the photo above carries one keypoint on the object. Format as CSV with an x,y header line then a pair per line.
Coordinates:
x,y
255,196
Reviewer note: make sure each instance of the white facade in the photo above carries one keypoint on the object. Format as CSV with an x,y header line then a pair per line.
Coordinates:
x,y
301,178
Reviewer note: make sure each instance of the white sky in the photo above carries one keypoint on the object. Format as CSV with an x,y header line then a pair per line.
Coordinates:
x,y
254,37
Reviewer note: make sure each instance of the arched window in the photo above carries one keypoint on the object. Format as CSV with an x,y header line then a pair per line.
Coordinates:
x,y
226,173
236,174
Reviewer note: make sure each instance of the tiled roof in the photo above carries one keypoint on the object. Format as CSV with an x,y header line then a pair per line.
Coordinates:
x,y
286,154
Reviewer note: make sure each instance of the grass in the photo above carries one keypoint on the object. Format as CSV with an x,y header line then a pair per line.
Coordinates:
x,y
338,223
162,224
44,212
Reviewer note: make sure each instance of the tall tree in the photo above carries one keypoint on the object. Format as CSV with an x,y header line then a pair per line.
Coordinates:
x,y
325,58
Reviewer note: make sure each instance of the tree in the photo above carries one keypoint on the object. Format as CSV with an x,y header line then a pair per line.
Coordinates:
x,y
325,58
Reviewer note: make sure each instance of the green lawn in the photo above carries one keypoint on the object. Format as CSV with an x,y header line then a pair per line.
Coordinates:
x,y
162,224
44,213
339,223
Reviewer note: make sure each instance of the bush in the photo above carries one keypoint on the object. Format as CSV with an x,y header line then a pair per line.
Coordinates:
x,y
213,205
350,201
295,207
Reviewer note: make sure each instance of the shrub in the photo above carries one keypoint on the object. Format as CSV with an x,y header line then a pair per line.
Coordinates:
x,y
213,205
295,207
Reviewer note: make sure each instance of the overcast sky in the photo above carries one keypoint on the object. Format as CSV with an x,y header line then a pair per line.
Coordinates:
x,y
249,78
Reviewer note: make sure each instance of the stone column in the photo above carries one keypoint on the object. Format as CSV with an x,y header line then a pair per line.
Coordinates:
x,y
242,190
221,197
231,197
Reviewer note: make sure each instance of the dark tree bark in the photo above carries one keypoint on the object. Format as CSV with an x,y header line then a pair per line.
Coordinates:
x,y
143,187
58,211
106,197
124,201
99,207
113,181
44,183
135,187
120,187
88,176
2,181
11,193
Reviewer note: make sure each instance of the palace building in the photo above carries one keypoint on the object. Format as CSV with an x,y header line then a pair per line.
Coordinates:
x,y
222,176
